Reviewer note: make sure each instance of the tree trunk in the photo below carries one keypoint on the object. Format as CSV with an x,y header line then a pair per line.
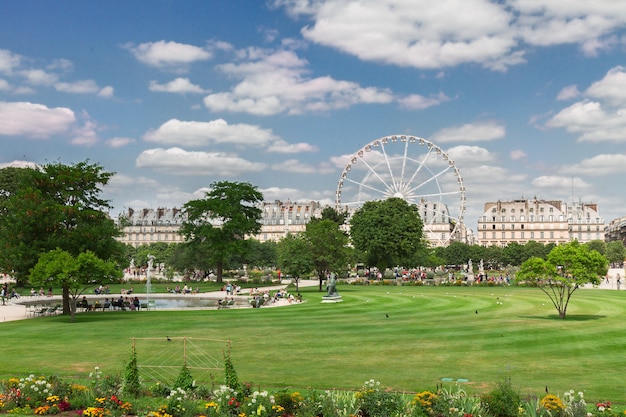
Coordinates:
x,y
66,300
220,271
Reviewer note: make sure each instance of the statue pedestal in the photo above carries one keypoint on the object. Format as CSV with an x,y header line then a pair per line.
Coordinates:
x,y
331,299
470,279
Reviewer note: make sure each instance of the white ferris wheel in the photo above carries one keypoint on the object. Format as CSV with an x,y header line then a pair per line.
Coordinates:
x,y
413,169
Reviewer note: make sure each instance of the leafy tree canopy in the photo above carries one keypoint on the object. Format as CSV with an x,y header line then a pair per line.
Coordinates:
x,y
73,274
389,232
217,225
567,268
56,206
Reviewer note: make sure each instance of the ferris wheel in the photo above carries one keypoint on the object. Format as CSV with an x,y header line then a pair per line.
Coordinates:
x,y
413,169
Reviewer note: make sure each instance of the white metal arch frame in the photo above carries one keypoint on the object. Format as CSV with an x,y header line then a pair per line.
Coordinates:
x,y
411,168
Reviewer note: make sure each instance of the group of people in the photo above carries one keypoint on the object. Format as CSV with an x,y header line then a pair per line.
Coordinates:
x,y
184,290
127,303
7,294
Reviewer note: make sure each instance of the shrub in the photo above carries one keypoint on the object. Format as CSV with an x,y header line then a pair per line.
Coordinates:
x,y
372,401
132,386
185,379
503,401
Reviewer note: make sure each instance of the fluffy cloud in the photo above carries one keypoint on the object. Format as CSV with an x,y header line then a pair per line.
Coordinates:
x,y
84,87
8,61
600,116
177,161
182,133
179,85
119,142
419,102
554,182
471,132
274,82
34,120
164,54
599,165
298,167
430,35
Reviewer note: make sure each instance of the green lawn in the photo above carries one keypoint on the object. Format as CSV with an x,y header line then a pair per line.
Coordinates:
x,y
408,338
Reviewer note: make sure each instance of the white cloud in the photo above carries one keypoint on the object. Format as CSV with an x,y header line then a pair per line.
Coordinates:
x,y
106,92
87,134
470,155
176,161
431,35
471,132
592,122
281,146
599,165
554,182
568,93
612,88
517,154
164,54
177,132
419,102
179,85
298,167
4,85
78,87
119,142
8,61
39,77
274,82
34,120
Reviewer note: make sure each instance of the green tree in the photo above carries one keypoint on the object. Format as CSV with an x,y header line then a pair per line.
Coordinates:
x,y
295,256
567,268
73,274
598,245
329,248
217,225
388,232
57,206
615,252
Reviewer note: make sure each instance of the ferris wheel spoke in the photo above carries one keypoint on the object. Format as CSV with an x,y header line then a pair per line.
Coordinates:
x,y
420,165
389,169
434,177
364,185
373,171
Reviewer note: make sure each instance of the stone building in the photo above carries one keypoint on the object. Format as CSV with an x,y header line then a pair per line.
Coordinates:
x,y
616,231
142,227
543,221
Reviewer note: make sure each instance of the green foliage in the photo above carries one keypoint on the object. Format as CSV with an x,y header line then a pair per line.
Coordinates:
x,y
132,385
233,206
73,274
615,252
373,401
57,206
230,374
289,401
567,268
295,256
388,232
503,401
185,379
328,246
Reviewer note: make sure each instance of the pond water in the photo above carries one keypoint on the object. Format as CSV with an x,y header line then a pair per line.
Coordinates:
x,y
189,303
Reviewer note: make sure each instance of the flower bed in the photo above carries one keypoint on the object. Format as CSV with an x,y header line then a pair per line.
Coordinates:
x,y
105,396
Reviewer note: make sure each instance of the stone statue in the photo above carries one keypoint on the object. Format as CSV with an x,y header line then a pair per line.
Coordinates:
x,y
150,262
331,286
470,267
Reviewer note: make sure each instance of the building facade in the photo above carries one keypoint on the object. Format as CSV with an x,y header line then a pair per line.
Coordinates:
x,y
616,231
142,227
543,221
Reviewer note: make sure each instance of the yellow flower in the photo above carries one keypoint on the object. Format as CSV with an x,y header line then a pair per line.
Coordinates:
x,y
551,403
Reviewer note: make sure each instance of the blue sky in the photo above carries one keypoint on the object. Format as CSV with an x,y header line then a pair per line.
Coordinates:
x,y
527,97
